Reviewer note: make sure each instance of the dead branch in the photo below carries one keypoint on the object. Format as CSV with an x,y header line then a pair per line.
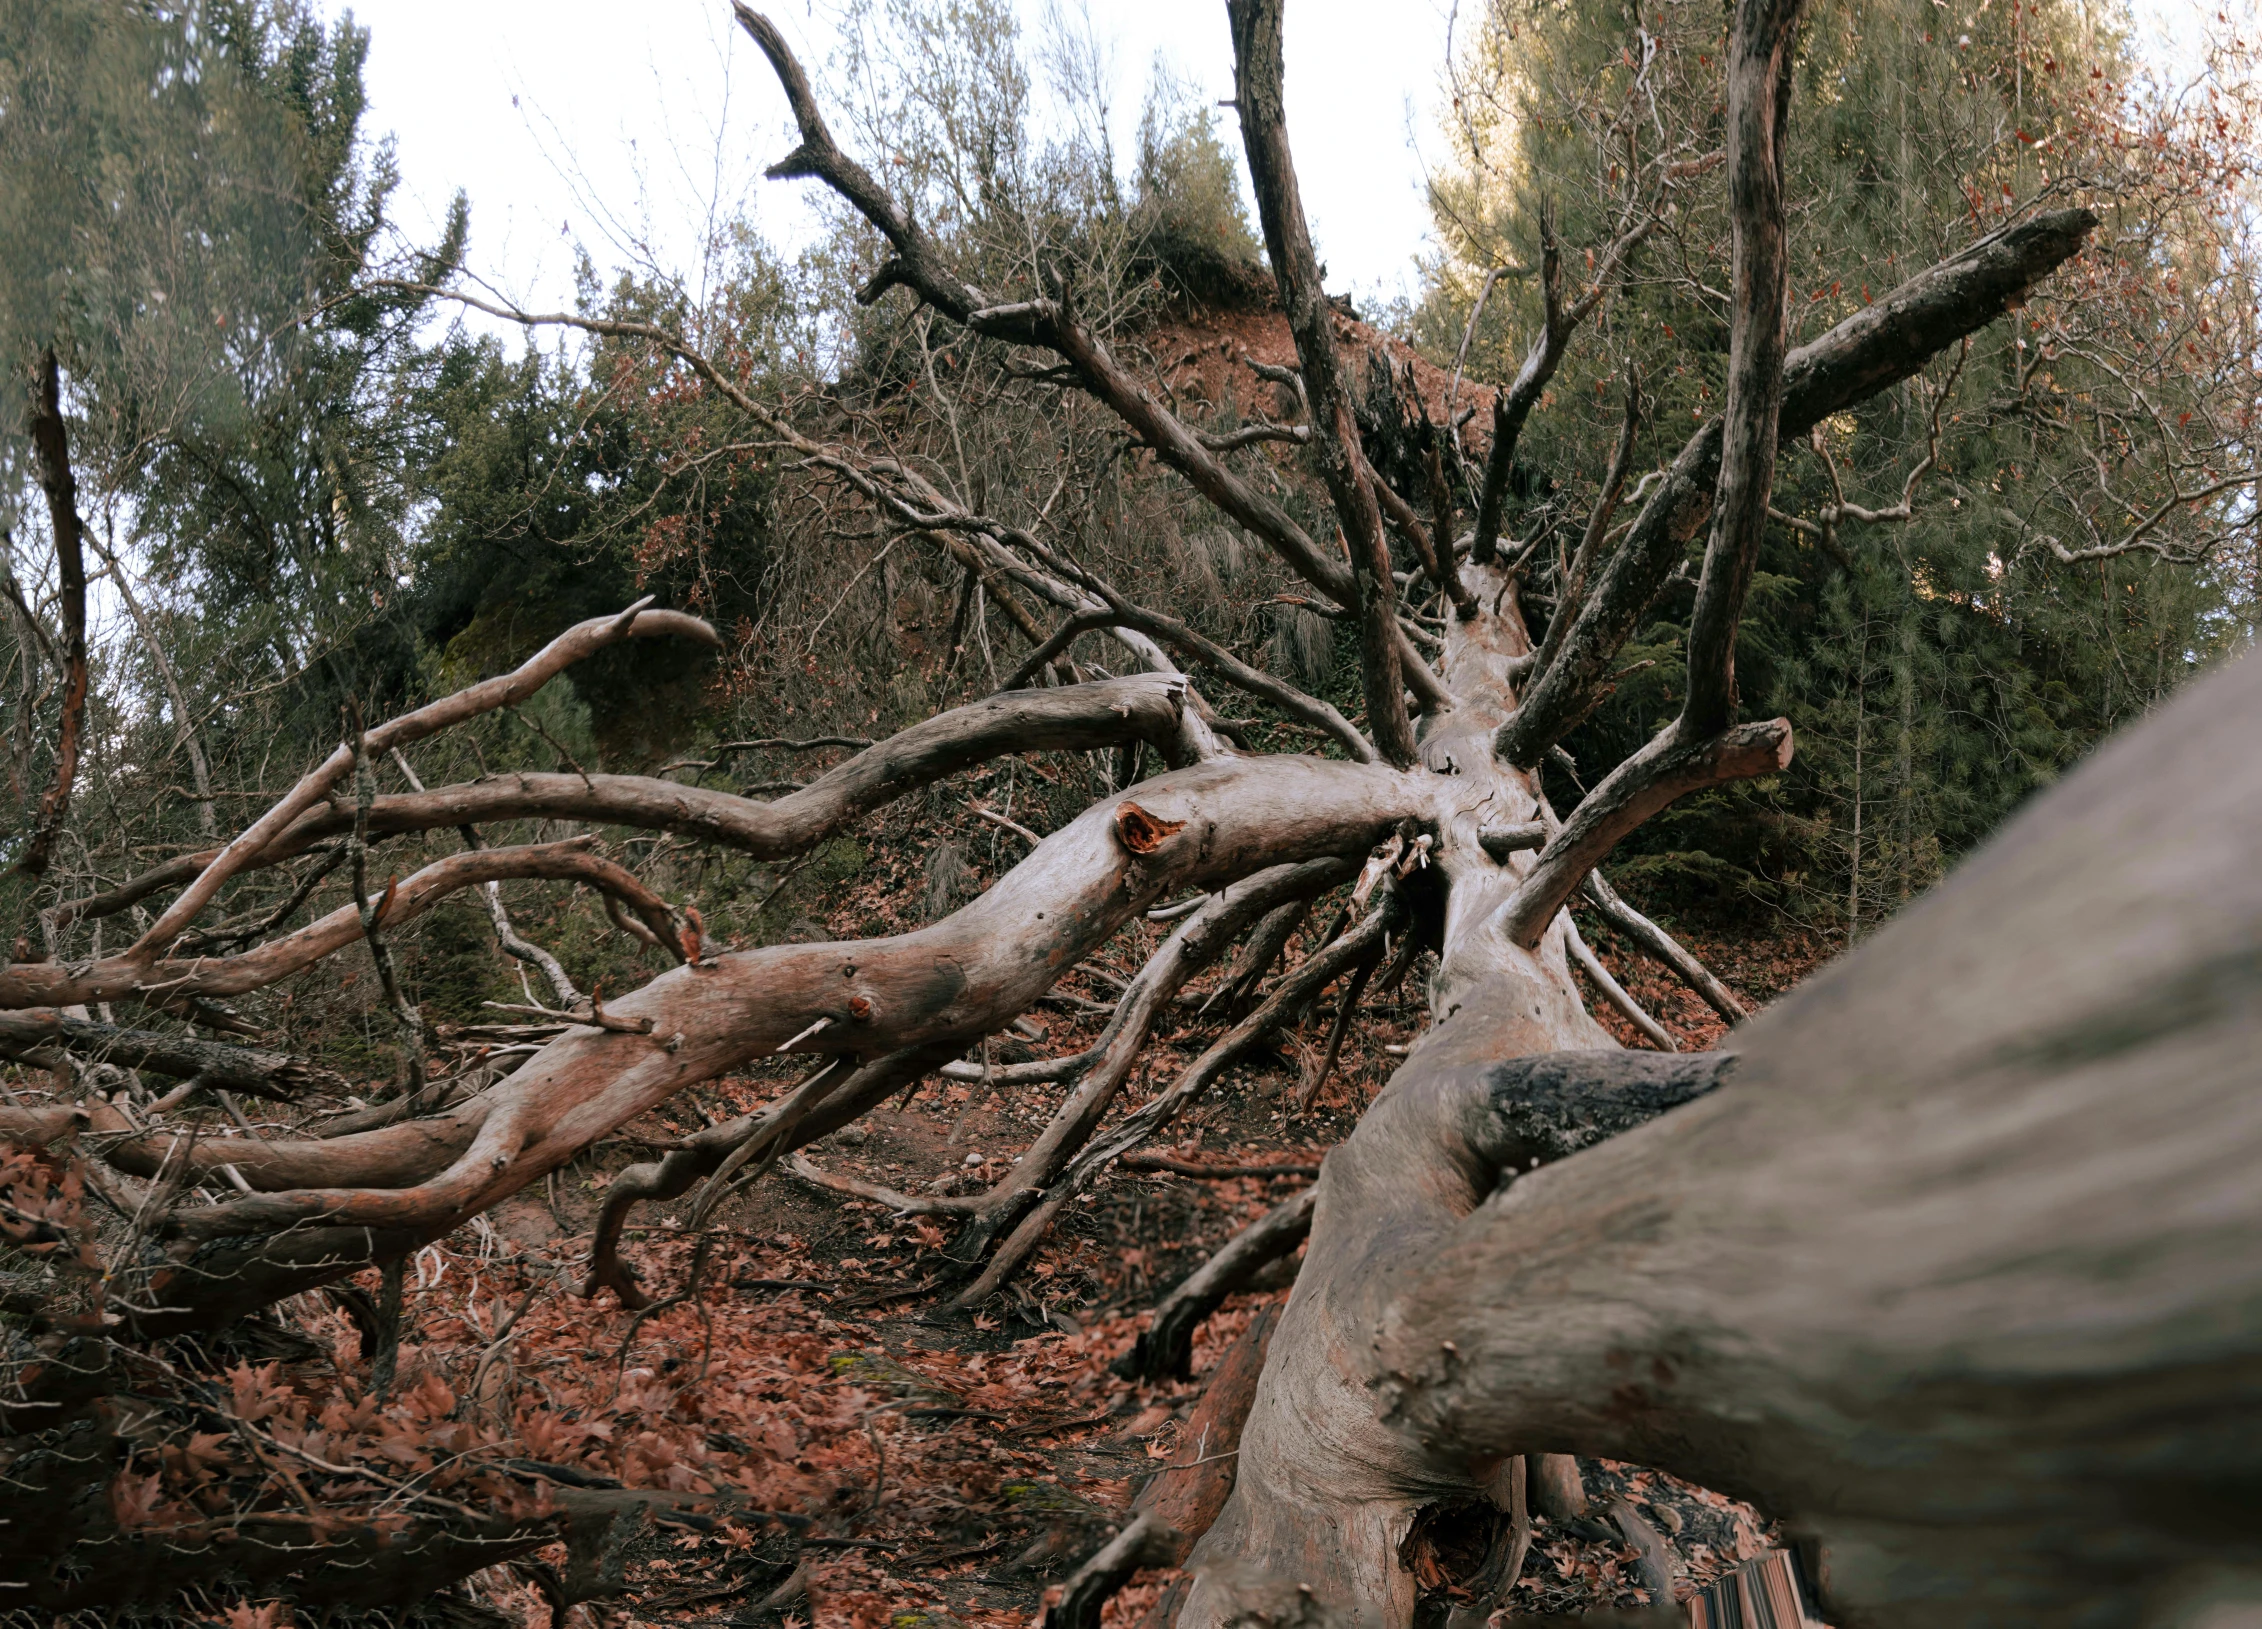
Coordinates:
x,y
506,935
917,264
1587,962
369,913
1667,768
1189,1493
962,977
1513,406
1876,347
224,1068
1165,1350
133,975
1703,746
1297,991
1573,588
1076,718
1260,99
1664,947
1146,1542
1197,942
1759,89
821,1105
569,647
1210,1172
51,448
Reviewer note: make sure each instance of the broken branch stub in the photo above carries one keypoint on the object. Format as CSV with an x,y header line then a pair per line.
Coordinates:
x,y
1141,832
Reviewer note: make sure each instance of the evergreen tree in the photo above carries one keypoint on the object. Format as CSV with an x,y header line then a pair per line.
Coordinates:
x,y
1944,657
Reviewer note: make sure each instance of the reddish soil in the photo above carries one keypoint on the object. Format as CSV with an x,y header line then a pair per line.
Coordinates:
x,y
1199,354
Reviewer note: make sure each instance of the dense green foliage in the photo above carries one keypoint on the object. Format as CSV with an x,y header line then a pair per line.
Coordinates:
x,y
1937,669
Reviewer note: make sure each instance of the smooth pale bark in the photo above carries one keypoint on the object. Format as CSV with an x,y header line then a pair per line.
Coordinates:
x,y
959,979
1960,1276
1328,1488
1317,1500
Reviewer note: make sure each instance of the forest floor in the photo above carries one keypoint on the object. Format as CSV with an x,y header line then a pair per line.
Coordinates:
x,y
861,1456
826,1442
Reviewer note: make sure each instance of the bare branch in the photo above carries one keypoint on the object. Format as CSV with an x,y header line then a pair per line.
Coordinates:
x,y
128,975
223,1068
1297,991
1876,347
1513,406
1198,941
1572,591
1260,100
1122,613
1664,947
1587,962
51,447
1073,718
545,664
918,265
1165,1350
1668,767
961,977
1759,90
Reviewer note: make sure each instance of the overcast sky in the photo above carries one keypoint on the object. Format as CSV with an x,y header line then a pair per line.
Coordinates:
x,y
613,126
558,117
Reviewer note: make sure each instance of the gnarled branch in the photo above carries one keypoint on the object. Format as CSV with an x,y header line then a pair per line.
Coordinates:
x,y
1876,347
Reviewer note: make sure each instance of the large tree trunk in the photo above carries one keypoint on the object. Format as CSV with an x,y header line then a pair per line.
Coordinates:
x,y
1325,1491
1959,1277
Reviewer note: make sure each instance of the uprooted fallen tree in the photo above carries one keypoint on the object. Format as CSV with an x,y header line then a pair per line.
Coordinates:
x,y
1700,1294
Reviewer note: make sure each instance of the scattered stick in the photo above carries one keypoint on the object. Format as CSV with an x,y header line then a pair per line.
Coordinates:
x,y
1583,956
1147,1542
1166,1350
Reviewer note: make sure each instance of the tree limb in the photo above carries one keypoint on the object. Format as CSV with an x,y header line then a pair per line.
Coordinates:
x,y
114,978
1759,91
1072,718
569,647
1664,947
917,264
1876,347
51,448
224,1068
1668,767
1261,101
1165,1350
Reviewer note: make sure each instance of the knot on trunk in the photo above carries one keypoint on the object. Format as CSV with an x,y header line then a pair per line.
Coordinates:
x,y
1142,832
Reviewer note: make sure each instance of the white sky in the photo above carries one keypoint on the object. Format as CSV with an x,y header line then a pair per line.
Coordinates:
x,y
512,99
